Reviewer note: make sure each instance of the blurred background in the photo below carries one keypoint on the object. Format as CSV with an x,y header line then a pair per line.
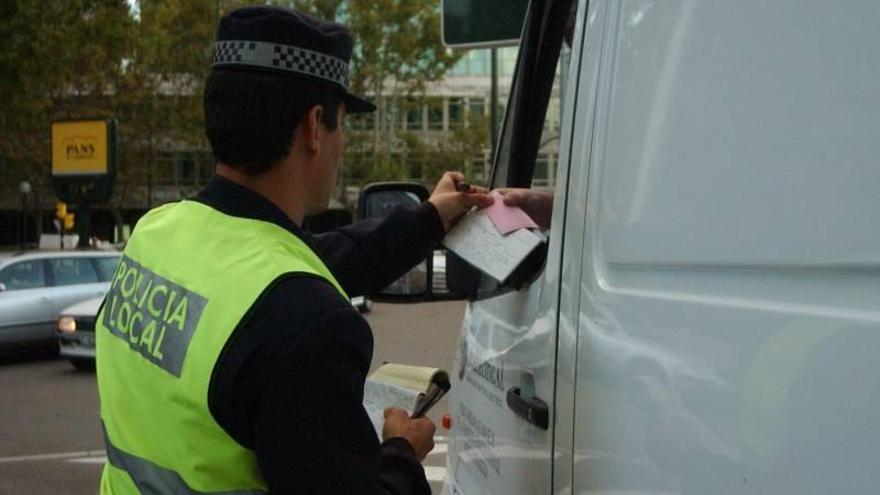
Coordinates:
x,y
143,63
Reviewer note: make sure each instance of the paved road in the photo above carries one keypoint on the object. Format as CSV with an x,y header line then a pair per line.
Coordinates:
x,y
50,438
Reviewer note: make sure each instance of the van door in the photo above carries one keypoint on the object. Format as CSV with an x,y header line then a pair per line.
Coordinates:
x,y
729,334
502,402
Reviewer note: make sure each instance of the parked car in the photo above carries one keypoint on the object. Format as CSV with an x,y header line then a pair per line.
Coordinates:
x,y
76,333
35,286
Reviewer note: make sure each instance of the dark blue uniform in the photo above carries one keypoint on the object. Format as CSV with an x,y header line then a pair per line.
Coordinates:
x,y
289,384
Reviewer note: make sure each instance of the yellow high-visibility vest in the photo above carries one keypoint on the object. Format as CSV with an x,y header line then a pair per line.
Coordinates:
x,y
187,278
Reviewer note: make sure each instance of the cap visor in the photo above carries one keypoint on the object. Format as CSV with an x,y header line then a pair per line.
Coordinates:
x,y
354,104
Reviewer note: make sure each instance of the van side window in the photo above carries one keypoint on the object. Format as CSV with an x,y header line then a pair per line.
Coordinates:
x,y
528,153
73,271
527,158
23,275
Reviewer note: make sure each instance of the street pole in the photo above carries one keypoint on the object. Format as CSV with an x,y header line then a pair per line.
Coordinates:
x,y
22,223
25,189
83,222
493,102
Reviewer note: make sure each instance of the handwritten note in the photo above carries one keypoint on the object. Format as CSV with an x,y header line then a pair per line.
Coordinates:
x,y
508,218
479,242
378,395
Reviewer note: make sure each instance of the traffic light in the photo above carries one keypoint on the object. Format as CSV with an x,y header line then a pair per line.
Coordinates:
x,y
68,221
60,210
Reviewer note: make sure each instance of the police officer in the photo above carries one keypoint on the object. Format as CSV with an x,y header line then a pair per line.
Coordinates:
x,y
229,358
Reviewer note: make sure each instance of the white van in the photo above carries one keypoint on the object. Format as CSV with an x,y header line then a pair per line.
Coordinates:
x,y
707,317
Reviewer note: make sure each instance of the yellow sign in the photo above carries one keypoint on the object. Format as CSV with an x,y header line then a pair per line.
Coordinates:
x,y
79,147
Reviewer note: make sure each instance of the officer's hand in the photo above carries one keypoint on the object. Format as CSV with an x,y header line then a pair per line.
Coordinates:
x,y
537,204
418,432
451,204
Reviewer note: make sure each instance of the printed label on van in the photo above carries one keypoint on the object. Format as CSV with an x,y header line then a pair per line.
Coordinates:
x,y
484,375
479,442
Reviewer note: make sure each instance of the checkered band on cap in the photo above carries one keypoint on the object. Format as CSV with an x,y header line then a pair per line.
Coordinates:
x,y
281,57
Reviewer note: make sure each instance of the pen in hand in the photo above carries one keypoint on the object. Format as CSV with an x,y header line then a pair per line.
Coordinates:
x,y
427,401
437,389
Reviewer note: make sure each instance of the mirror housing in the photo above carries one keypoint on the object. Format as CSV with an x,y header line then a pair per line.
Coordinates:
x,y
377,199
426,281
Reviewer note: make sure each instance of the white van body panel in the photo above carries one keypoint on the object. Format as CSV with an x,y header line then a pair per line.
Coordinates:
x,y
491,449
729,333
708,319
569,224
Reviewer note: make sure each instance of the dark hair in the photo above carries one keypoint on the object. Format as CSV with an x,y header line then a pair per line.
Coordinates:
x,y
250,116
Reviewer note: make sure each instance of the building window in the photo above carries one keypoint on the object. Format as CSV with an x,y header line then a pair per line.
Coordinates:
x,y
186,170
479,62
393,119
551,121
473,63
414,115
435,114
507,60
456,113
206,167
542,168
164,171
477,107
478,168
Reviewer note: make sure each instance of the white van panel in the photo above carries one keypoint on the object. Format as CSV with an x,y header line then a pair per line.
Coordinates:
x,y
568,225
729,333
507,341
744,133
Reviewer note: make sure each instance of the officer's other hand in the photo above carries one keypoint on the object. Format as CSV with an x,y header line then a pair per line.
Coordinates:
x,y
418,432
452,204
537,204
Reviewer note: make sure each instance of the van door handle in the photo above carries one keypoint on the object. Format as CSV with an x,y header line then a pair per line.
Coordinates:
x,y
533,410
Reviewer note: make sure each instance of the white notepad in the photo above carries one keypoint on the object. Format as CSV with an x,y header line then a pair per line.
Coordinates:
x,y
476,239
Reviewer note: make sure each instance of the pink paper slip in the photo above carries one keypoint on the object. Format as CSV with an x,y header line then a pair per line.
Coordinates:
x,y
507,218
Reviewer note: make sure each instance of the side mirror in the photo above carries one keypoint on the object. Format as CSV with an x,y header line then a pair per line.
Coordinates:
x,y
378,199
426,281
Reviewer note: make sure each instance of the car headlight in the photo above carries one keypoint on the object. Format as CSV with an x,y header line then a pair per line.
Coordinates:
x,y
66,324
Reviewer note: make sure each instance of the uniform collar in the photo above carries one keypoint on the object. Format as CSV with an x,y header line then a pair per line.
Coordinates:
x,y
236,200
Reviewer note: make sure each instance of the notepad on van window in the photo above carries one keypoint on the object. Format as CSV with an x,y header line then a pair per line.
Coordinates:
x,y
413,388
478,241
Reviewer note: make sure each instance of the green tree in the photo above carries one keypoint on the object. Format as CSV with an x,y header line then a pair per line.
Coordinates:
x,y
454,150
398,51
59,60
161,95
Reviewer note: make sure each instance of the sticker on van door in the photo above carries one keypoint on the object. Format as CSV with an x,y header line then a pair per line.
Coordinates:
x,y
479,443
480,381
488,379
